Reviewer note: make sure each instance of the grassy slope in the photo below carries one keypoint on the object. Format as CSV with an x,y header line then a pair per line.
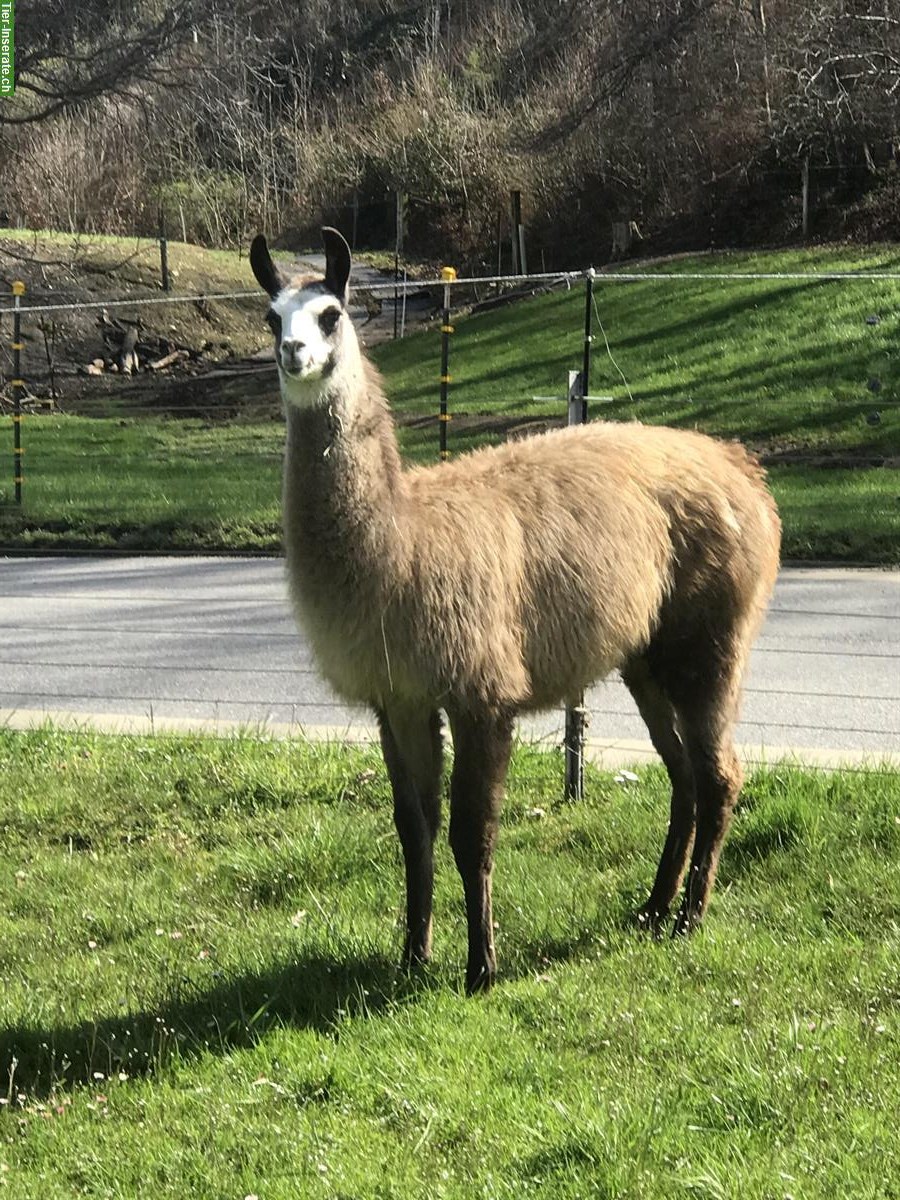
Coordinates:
x,y
781,364
197,943
786,366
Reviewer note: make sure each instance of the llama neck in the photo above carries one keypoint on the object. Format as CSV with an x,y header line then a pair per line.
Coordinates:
x,y
343,485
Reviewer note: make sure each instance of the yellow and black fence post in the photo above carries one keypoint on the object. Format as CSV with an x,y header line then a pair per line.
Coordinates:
x,y
18,387
448,274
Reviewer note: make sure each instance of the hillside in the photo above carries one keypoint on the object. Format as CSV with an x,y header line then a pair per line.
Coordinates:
x,y
682,124
806,372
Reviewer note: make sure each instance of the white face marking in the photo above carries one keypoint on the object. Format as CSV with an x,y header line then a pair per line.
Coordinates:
x,y
304,348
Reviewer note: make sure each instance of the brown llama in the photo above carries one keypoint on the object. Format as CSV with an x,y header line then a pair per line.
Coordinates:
x,y
509,580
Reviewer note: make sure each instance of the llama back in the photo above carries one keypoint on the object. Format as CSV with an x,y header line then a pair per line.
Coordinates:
x,y
575,539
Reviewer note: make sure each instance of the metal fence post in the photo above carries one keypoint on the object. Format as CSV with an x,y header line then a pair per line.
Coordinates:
x,y
579,390
575,714
588,339
18,387
448,274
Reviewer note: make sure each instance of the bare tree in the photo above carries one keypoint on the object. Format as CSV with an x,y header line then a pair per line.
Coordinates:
x,y
69,53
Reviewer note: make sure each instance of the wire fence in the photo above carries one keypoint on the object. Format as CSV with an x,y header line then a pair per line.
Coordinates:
x,y
218,469
114,396
109,457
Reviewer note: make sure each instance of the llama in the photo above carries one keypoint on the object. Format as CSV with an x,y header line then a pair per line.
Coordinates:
x,y
508,580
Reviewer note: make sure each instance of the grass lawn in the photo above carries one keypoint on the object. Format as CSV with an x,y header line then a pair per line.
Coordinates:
x,y
191,485
793,368
785,365
199,996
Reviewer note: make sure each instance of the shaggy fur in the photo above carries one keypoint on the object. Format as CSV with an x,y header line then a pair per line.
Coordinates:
x,y
509,580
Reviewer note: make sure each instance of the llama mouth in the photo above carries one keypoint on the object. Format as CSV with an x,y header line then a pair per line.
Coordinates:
x,y
309,371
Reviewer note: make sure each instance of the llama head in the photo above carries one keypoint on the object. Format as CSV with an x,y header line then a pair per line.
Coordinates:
x,y
308,316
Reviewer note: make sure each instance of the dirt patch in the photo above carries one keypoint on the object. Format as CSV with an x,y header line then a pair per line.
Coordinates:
x,y
835,460
71,357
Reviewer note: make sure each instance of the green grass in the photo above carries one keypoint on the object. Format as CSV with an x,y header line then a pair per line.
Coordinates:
x,y
197,947
782,364
148,485
188,485
787,366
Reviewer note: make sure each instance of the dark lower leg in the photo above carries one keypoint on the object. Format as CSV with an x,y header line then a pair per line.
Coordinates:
x,y
718,776
659,717
673,861
482,747
412,752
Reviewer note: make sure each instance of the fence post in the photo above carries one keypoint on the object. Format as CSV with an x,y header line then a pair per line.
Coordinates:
x,y
588,339
164,254
515,225
448,274
804,187
579,390
399,212
575,714
18,387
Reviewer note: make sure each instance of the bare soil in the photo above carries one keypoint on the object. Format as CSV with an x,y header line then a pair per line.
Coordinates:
x,y
221,345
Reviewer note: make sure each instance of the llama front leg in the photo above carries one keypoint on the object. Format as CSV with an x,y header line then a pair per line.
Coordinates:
x,y
412,746
482,746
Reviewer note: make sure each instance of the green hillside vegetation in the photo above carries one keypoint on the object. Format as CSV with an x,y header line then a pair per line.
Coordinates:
x,y
805,372
200,996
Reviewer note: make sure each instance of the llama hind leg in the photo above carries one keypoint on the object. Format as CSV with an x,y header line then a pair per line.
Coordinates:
x,y
718,775
482,747
707,723
659,716
413,753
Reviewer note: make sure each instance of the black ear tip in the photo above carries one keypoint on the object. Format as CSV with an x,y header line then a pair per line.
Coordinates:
x,y
267,274
334,239
337,262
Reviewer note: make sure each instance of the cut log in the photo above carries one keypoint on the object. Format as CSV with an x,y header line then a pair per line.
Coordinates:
x,y
168,359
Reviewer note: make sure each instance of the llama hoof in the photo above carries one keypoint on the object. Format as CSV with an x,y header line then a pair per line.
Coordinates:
x,y
414,961
649,921
480,980
686,923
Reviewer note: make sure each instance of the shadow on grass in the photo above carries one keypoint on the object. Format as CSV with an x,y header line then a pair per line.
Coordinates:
x,y
315,992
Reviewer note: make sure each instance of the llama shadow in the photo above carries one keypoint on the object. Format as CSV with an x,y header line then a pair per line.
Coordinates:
x,y
315,992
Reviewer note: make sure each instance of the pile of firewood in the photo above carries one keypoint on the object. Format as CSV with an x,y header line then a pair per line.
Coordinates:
x,y
130,348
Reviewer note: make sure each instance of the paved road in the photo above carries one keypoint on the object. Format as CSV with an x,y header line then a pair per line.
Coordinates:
x,y
187,641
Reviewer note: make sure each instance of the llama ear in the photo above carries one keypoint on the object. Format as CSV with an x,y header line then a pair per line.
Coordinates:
x,y
267,274
337,263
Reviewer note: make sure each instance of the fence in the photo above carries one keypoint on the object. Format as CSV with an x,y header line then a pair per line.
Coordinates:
x,y
102,454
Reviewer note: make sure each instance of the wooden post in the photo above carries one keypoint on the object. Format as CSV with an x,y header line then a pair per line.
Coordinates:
x,y
515,222
804,178
398,249
164,254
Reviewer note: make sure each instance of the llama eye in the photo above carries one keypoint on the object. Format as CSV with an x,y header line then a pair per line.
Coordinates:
x,y
328,320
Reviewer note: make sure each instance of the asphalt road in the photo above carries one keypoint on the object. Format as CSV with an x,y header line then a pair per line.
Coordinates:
x,y
209,642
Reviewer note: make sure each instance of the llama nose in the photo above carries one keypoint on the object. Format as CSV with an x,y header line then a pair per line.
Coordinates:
x,y
291,347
